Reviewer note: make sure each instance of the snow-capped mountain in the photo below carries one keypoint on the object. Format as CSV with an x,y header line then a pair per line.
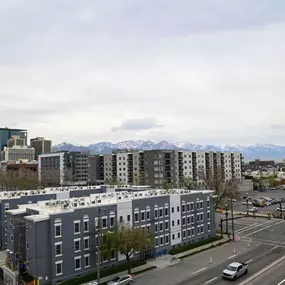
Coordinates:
x,y
261,151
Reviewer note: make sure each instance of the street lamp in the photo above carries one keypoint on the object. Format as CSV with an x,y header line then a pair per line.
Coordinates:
x,y
227,224
232,210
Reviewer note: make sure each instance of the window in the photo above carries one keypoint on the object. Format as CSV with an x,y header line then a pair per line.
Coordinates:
x,y
86,243
208,215
208,203
136,217
121,219
193,231
87,260
201,204
197,205
27,245
112,221
58,268
192,207
77,245
160,213
76,227
104,223
148,214
178,235
201,217
77,262
192,219
189,233
11,222
161,226
166,225
198,216
166,239
184,221
161,240
209,227
156,213
202,229
129,218
58,248
142,216
183,208
188,219
178,222
173,236
12,238
156,241
172,223
172,209
156,227
184,234
198,230
177,208
188,207
86,226
57,230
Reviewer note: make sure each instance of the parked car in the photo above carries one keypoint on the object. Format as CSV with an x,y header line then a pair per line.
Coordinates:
x,y
253,209
122,280
235,270
281,209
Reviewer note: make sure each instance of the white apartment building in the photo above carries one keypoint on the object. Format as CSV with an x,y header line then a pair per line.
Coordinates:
x,y
15,153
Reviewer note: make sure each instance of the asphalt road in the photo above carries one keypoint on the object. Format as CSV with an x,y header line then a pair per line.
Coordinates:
x,y
273,276
267,239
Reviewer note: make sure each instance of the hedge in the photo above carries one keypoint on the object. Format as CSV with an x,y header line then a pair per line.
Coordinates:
x,y
103,273
193,245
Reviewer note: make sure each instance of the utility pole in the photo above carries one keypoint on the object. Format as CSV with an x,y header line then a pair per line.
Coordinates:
x,y
227,224
232,210
99,244
280,204
247,203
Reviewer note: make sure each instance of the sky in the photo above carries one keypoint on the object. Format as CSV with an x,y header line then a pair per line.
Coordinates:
x,y
207,72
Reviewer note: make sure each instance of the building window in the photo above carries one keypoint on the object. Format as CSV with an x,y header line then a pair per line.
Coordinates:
x,y
178,235
27,245
184,234
178,222
136,217
156,213
208,203
188,207
209,227
121,219
201,205
201,217
166,239
189,233
77,262
173,236
161,240
184,221
129,218
172,209
104,223
112,221
178,209
183,208
156,242
197,205
86,226
86,243
77,245
12,238
160,213
192,219
76,227
188,219
142,216
58,248
161,226
166,225
87,260
166,212
156,227
57,230
148,214
58,268
192,207
172,223
202,229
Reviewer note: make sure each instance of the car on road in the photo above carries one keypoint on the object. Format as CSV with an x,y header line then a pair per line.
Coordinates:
x,y
281,209
235,270
122,280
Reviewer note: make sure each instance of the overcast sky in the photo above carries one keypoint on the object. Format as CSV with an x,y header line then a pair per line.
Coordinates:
x,y
208,72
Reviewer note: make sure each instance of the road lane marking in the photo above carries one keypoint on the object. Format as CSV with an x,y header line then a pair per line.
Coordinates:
x,y
281,282
211,280
249,261
232,256
262,229
274,247
248,227
198,271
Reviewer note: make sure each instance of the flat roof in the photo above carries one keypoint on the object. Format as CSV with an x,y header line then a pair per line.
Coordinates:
x,y
10,129
62,206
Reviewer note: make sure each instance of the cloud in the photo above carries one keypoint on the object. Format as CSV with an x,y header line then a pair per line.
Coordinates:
x,y
141,124
212,72
278,126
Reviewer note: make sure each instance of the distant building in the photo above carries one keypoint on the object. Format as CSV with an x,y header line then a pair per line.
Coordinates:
x,y
16,141
41,146
16,153
6,134
95,169
64,168
257,163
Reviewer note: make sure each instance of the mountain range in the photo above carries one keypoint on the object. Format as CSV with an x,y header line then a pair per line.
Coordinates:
x,y
250,152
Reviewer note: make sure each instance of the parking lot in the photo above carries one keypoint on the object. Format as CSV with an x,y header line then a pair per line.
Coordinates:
x,y
273,194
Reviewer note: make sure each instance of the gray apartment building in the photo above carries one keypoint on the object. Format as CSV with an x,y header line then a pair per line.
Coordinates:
x,y
13,199
63,168
41,146
59,237
160,167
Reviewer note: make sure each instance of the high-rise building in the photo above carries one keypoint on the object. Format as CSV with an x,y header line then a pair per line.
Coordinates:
x,y
158,167
6,134
41,145
17,153
63,168
16,141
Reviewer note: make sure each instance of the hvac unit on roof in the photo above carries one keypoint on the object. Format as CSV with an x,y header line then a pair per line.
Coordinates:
x,y
75,205
82,203
47,203
98,201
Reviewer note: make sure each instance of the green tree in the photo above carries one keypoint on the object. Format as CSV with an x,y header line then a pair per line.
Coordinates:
x,y
127,240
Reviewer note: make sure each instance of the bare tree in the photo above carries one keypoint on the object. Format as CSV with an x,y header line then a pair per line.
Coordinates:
x,y
224,188
189,183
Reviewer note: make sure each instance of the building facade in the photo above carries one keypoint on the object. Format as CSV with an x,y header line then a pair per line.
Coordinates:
x,y
7,133
16,141
12,199
16,153
64,168
41,146
160,167
60,237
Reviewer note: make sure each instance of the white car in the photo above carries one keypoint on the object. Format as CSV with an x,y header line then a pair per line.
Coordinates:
x,y
235,270
122,280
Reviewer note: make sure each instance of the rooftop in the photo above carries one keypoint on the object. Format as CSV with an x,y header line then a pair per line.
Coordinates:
x,y
51,207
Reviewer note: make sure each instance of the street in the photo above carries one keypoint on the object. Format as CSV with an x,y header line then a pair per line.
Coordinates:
x,y
259,242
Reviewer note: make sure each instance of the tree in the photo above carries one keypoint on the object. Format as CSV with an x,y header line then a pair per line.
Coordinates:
x,y
223,188
167,186
189,184
127,240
